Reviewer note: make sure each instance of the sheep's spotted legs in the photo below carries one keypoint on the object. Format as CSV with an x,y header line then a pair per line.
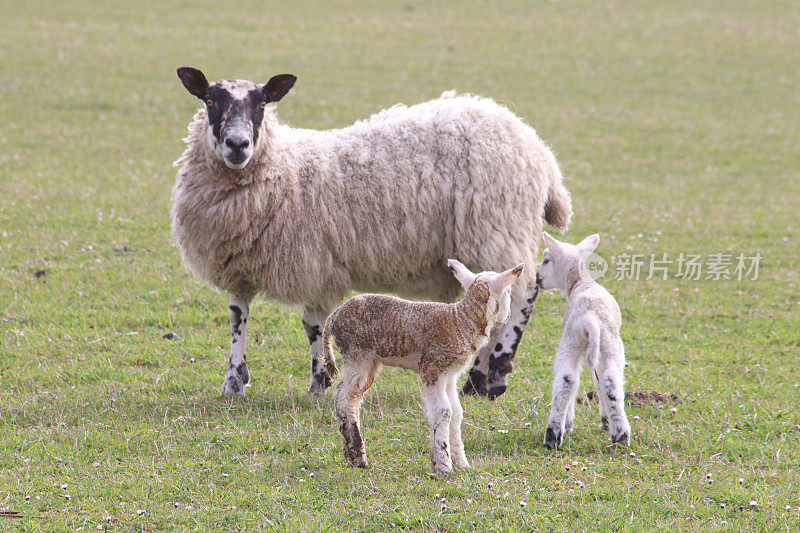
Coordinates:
x,y
237,374
314,323
489,373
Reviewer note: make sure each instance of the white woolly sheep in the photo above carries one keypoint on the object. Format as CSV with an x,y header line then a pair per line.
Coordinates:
x,y
304,216
436,340
591,326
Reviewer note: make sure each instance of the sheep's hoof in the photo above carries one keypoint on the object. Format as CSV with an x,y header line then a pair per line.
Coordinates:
x,y
233,385
552,438
460,463
475,384
496,383
359,461
604,423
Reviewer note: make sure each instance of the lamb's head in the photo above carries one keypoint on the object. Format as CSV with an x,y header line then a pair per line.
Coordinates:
x,y
564,264
234,110
491,289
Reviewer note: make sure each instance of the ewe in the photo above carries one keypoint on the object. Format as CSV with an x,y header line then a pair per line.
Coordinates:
x,y
304,216
591,325
436,340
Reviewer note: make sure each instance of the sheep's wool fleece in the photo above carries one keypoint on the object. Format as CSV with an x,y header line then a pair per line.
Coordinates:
x,y
375,206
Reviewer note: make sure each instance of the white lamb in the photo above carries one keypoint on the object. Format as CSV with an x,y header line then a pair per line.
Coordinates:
x,y
591,326
436,340
304,216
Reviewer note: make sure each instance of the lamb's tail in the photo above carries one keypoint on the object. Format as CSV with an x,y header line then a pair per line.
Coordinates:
x,y
328,358
558,207
593,347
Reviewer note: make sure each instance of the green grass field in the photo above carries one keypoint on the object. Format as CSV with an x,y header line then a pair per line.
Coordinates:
x,y
677,125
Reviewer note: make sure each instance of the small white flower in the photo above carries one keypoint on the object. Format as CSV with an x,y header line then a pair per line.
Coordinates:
x,y
141,512
741,480
753,503
523,503
64,486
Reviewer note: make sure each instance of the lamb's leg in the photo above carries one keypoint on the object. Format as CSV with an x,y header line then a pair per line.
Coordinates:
x,y
237,374
314,323
602,400
439,412
504,347
358,372
457,453
566,377
611,386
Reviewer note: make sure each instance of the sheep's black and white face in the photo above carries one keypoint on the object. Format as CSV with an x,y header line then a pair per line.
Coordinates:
x,y
235,109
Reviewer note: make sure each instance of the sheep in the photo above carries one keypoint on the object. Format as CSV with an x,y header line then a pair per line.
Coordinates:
x,y
303,216
436,340
591,325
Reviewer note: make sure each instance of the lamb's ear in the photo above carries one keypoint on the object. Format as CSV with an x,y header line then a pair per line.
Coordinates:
x,y
503,280
194,81
589,243
277,87
462,273
553,245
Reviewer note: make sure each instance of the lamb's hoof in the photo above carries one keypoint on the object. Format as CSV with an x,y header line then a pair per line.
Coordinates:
x,y
604,423
233,385
442,468
319,383
475,384
552,438
621,438
460,463
357,460
568,425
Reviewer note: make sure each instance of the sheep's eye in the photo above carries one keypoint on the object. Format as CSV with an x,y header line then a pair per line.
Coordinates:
x,y
209,102
547,260
497,307
262,105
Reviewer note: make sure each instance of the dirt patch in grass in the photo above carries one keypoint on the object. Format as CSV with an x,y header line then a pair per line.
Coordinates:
x,y
639,398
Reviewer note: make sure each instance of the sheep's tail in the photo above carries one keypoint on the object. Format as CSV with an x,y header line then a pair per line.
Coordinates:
x,y
558,207
328,358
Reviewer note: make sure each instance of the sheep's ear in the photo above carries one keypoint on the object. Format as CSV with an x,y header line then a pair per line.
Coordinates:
x,y
462,273
277,87
503,280
194,81
589,243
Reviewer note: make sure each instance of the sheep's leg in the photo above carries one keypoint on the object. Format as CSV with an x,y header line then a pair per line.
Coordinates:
x,y
358,371
439,412
314,323
566,377
502,347
457,453
237,374
610,387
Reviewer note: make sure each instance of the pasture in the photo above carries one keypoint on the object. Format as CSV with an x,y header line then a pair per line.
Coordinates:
x,y
677,127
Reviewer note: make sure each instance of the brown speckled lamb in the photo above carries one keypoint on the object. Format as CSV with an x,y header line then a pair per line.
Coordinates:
x,y
436,340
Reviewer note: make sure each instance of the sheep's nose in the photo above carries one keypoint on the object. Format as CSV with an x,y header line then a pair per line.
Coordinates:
x,y
237,143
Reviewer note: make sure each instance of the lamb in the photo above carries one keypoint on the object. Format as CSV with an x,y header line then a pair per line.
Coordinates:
x,y
304,216
591,324
436,340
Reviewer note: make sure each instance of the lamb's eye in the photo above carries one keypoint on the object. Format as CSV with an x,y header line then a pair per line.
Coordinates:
x,y
262,105
546,260
497,307
209,102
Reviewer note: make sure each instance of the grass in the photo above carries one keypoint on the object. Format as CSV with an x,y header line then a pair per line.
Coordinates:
x,y
676,124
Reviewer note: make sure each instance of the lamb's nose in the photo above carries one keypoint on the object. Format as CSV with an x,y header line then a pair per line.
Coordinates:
x,y
237,144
